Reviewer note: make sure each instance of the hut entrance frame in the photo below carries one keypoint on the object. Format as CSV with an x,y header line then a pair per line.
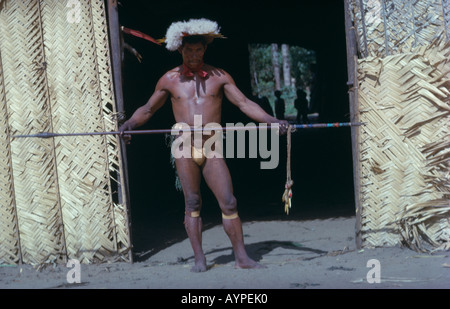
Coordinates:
x,y
60,200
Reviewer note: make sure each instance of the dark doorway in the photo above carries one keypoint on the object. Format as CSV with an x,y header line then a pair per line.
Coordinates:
x,y
322,159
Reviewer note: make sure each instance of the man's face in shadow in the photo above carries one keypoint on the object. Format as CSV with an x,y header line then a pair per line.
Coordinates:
x,y
192,54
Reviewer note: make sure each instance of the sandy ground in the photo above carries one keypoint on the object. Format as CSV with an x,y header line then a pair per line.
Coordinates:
x,y
314,254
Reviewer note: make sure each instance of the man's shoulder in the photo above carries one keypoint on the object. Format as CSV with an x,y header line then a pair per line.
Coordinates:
x,y
215,71
171,75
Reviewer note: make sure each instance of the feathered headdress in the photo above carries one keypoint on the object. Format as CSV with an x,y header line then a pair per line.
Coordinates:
x,y
180,29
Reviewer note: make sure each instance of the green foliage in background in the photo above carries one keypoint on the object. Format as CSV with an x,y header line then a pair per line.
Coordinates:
x,y
262,73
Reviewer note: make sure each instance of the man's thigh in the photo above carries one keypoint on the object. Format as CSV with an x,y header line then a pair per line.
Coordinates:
x,y
217,177
190,176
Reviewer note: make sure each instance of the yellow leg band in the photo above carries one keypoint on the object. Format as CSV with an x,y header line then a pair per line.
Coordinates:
x,y
193,214
230,217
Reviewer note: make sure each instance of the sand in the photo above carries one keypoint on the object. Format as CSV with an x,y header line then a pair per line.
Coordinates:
x,y
312,254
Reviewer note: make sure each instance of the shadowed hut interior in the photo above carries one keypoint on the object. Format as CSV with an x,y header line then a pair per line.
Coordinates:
x,y
321,158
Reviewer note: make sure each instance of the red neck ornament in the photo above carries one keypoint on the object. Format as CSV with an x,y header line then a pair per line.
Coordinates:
x,y
190,73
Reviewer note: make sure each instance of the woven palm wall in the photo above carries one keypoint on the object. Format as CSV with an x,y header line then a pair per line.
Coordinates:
x,y
59,196
403,96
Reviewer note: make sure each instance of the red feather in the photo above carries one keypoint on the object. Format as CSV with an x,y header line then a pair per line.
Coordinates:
x,y
140,35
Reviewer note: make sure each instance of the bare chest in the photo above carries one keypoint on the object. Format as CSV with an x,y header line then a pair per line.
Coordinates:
x,y
197,91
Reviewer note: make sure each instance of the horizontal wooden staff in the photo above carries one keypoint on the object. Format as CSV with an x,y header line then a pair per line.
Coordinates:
x,y
169,131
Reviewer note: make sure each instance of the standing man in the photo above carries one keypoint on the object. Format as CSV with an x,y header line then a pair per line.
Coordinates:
x,y
280,107
301,104
196,88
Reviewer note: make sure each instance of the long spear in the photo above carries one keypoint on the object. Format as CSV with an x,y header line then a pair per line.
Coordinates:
x,y
165,131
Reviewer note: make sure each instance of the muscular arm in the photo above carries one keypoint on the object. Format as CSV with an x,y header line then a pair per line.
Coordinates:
x,y
248,107
146,111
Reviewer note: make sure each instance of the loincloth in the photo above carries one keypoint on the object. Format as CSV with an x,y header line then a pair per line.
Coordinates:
x,y
198,155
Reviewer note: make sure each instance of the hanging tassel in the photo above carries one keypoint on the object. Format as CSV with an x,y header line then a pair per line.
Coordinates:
x,y
287,195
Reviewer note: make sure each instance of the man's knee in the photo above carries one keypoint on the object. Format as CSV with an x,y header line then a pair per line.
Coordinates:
x,y
229,206
193,204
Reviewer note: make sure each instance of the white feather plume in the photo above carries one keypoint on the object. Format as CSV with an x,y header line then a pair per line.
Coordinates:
x,y
178,30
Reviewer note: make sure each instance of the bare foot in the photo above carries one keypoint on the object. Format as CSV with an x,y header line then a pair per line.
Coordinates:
x,y
248,264
200,266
